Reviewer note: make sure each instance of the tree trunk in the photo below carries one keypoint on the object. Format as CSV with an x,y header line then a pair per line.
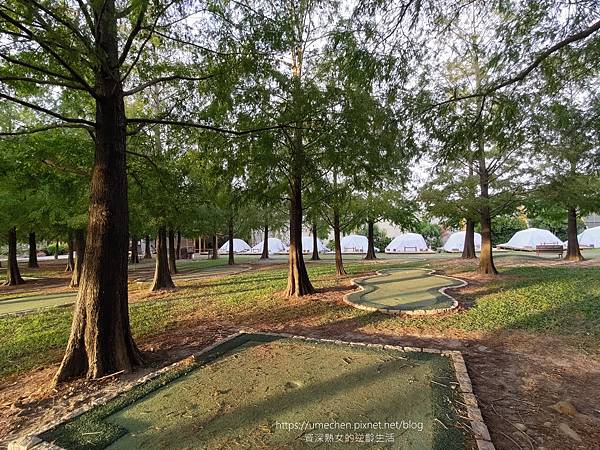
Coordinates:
x,y
100,342
70,258
215,251
339,262
13,274
196,245
162,275
265,249
33,261
178,252
371,240
79,247
147,251
573,251
56,250
315,253
469,245
298,282
231,260
135,257
486,258
172,263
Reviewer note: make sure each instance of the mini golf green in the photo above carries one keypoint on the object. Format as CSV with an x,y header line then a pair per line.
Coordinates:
x,y
13,305
258,391
403,290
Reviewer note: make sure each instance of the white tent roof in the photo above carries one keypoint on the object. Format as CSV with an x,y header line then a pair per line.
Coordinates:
x,y
275,246
531,237
456,242
407,243
307,245
354,243
590,238
239,246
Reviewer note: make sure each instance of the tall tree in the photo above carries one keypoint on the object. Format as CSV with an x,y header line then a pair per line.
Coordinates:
x,y
102,65
569,164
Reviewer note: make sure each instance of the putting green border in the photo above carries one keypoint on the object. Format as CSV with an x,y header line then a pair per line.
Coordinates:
x,y
407,312
134,391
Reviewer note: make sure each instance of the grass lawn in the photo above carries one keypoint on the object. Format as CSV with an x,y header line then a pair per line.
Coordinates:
x,y
560,300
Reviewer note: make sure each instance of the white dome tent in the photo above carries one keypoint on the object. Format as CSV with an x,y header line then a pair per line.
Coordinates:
x,y
239,246
307,245
407,243
354,243
275,246
590,238
530,238
456,242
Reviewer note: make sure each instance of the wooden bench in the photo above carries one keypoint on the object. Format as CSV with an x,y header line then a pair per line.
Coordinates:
x,y
550,248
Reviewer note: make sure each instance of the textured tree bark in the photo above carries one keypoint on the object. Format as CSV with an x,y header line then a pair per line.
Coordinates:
x,y
315,253
33,261
79,246
147,252
371,240
135,257
337,241
100,342
13,274
573,250
231,260
70,257
486,258
469,245
178,252
298,282
265,249
214,251
162,275
172,260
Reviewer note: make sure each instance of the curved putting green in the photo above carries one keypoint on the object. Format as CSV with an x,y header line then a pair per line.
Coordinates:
x,y
407,291
15,305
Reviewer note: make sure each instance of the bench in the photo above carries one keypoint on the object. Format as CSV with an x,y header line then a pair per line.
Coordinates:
x,y
550,248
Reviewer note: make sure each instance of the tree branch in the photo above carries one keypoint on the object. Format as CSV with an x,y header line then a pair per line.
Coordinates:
x,y
46,128
206,127
40,81
527,70
43,70
154,81
49,50
47,111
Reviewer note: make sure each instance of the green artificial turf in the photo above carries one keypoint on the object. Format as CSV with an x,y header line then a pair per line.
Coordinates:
x,y
403,290
31,302
283,393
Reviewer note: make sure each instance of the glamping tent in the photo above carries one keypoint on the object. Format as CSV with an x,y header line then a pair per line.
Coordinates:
x,y
307,245
456,242
354,243
239,246
275,246
531,237
407,243
590,238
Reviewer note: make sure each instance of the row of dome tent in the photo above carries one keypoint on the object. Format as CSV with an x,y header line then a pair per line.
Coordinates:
x,y
526,240
275,246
